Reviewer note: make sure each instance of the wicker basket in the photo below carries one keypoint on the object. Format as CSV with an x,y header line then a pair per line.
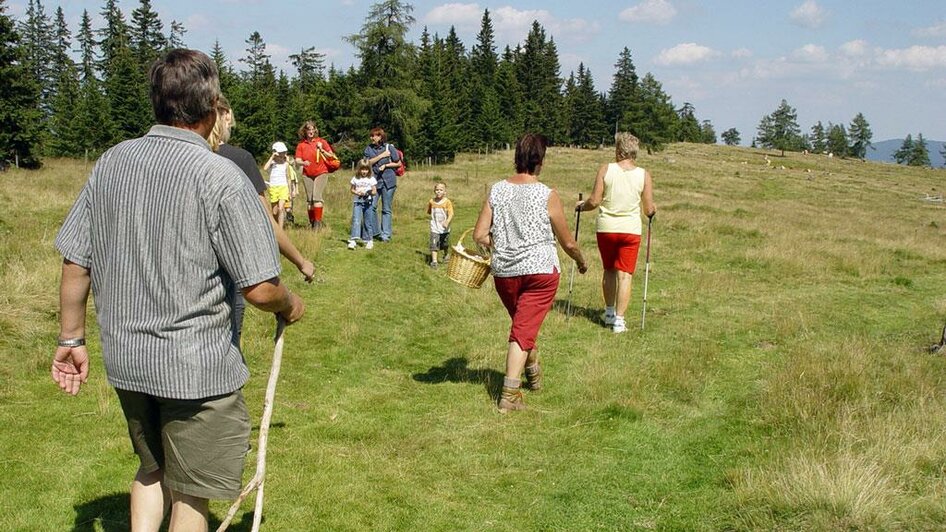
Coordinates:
x,y
466,269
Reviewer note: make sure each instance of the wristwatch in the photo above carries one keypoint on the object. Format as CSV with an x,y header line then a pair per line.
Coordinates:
x,y
71,342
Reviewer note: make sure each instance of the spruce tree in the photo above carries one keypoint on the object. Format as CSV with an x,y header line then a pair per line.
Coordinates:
x,y
819,138
176,36
624,103
20,117
538,73
511,105
920,155
459,113
585,114
487,128
905,153
860,136
731,137
65,139
707,133
688,127
341,109
255,101
386,66
146,33
837,140
93,113
228,79
657,121
128,101
780,130
37,41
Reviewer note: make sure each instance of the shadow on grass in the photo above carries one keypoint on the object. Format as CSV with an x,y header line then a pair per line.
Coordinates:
x,y
457,370
111,514
577,312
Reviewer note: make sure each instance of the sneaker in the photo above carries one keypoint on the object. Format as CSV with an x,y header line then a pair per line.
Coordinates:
x,y
352,244
511,399
619,326
369,244
608,319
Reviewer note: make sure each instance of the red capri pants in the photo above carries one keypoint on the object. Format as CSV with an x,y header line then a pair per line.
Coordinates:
x,y
619,251
528,298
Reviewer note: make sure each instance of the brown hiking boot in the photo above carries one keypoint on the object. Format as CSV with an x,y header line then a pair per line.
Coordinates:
x,y
534,377
511,399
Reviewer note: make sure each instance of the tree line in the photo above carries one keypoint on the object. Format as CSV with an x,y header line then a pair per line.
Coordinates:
x,y
435,98
66,94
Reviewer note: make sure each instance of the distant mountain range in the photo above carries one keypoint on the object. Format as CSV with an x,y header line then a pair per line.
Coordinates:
x,y
884,150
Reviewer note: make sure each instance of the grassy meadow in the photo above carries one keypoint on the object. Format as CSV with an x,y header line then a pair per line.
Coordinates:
x,y
782,381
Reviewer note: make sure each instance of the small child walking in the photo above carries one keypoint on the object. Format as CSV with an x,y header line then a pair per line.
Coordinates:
x,y
440,210
364,189
281,173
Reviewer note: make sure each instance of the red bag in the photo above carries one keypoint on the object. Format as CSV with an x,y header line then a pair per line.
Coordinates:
x,y
402,168
332,164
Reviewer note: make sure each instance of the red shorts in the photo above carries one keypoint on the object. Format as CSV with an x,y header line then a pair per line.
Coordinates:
x,y
528,298
619,251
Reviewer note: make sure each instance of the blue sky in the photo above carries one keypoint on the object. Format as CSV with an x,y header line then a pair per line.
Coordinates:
x,y
734,60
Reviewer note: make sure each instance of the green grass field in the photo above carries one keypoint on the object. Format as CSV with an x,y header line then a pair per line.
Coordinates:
x,y
782,382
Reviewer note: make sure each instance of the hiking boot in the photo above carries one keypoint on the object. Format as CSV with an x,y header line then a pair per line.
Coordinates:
x,y
434,265
608,319
534,377
511,399
619,326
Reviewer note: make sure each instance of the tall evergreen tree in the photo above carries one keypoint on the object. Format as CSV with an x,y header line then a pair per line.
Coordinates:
x,y
437,136
341,108
707,133
228,79
386,65
459,114
114,36
920,156
837,140
538,73
128,101
255,100
688,127
486,126
20,117
93,113
176,35
585,114
65,138
780,130
624,105
658,119
511,105
860,136
310,68
731,137
819,138
37,41
905,153
146,34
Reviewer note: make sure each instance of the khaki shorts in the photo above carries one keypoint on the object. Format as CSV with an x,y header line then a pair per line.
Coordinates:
x,y
200,444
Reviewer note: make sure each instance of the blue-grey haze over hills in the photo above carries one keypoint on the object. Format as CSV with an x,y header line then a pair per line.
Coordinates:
x,y
884,150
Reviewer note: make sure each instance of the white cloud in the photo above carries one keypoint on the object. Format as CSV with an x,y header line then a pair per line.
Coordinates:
x,y
809,14
854,48
741,53
460,15
810,53
913,58
196,23
513,24
685,54
930,32
655,11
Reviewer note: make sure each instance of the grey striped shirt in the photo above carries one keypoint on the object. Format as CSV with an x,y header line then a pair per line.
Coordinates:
x,y
169,231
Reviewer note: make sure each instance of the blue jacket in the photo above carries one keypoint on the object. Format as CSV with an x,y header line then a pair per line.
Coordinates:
x,y
386,178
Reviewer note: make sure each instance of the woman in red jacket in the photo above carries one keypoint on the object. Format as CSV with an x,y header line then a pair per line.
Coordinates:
x,y
312,154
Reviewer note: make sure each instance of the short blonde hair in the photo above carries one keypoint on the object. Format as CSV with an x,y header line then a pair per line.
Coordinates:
x,y
215,139
626,146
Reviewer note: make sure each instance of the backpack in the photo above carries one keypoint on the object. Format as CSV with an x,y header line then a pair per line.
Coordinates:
x,y
402,168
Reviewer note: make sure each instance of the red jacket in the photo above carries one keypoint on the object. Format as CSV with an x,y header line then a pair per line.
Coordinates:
x,y
307,151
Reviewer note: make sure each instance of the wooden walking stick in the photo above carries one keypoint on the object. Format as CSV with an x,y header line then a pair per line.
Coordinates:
x,y
571,277
257,482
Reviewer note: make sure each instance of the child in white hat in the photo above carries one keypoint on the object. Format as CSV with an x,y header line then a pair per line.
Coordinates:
x,y
281,174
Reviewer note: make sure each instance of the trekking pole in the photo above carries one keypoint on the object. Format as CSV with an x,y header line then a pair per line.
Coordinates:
x,y
571,277
650,221
257,482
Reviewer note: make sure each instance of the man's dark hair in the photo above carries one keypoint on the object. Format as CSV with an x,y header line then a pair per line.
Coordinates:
x,y
530,152
184,87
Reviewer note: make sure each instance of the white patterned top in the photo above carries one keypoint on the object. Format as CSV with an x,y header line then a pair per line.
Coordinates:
x,y
523,242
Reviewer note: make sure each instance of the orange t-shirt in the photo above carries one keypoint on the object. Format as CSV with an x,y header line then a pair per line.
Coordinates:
x,y
307,151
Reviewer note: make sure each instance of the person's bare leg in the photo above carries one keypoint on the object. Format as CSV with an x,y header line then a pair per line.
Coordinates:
x,y
623,291
609,286
515,361
149,501
188,513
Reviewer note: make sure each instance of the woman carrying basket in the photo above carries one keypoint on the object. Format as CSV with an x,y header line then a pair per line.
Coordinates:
x,y
520,222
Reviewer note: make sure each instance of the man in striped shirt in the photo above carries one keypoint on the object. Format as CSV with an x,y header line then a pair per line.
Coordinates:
x,y
163,233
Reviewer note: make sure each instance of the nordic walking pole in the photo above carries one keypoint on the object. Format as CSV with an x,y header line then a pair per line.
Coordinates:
x,y
650,221
571,277
258,479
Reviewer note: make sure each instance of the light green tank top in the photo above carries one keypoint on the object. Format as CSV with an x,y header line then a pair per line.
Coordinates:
x,y
620,209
